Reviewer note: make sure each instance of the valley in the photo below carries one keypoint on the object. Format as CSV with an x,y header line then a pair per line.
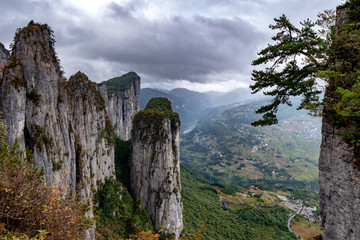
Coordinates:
x,y
124,164
250,212
224,146
94,155
265,173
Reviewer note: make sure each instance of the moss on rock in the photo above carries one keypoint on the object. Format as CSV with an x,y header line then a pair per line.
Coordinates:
x,y
152,119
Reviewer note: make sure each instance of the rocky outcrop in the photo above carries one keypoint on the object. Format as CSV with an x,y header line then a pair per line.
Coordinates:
x,y
155,168
122,98
63,122
93,135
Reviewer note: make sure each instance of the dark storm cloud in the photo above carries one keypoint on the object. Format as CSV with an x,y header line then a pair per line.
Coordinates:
x,y
194,40
179,48
18,13
119,11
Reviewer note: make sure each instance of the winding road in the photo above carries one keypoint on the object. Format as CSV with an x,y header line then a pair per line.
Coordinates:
x,y
289,221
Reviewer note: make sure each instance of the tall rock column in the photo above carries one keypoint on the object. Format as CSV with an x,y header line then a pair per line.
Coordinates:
x,y
93,135
34,103
64,123
339,163
155,167
122,98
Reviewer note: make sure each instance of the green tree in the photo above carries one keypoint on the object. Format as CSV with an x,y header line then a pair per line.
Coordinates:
x,y
293,64
301,57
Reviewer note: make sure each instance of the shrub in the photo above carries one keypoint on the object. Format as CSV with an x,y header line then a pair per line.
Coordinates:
x,y
34,96
3,132
117,214
27,204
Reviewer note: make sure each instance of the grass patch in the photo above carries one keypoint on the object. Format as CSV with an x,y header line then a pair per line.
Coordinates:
x,y
302,227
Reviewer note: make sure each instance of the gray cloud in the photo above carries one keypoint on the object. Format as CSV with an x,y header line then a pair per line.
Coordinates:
x,y
197,41
180,48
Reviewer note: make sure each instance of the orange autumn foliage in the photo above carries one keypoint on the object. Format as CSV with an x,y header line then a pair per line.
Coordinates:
x,y
27,204
157,236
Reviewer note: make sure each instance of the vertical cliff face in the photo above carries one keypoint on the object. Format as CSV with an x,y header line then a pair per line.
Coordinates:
x,y
339,168
155,168
339,185
122,97
35,105
93,135
64,123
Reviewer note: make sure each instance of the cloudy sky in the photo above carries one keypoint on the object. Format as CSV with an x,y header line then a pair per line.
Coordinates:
x,y
197,44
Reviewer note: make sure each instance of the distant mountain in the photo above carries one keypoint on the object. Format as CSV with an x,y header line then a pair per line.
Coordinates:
x,y
194,101
178,104
188,104
147,93
195,106
239,95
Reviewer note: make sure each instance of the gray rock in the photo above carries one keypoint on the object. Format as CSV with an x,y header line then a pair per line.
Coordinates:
x,y
339,176
4,56
64,123
339,186
155,169
122,98
93,135
35,105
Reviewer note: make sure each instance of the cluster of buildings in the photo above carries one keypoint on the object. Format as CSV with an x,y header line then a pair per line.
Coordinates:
x,y
308,212
296,205
306,129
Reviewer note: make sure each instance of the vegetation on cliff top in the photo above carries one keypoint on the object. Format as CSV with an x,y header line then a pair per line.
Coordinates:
x,y
152,118
158,104
119,84
46,41
79,83
33,27
160,108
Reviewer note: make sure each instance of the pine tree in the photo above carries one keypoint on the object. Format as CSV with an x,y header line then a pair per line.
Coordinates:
x,y
293,64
